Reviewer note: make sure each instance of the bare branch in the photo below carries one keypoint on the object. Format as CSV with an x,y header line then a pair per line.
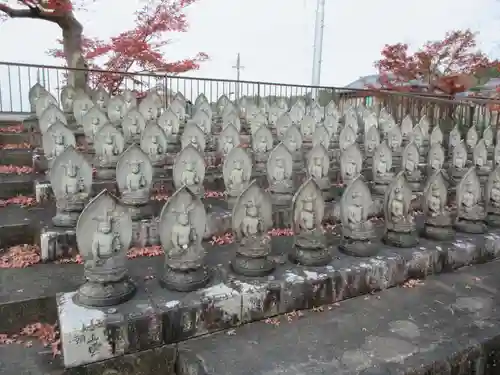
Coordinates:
x,y
31,12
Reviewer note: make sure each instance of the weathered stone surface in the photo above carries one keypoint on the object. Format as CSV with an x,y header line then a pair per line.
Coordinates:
x,y
91,335
449,325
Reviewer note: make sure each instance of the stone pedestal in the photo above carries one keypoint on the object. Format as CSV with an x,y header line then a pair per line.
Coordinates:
x,y
91,335
67,213
56,243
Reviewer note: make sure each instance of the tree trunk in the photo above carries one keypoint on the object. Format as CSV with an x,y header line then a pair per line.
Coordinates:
x,y
72,46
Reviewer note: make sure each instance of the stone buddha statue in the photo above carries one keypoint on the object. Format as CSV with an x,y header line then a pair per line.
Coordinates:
x,y
105,242
351,170
59,146
73,185
237,178
228,145
316,168
254,239
101,100
134,129
413,175
438,222
155,148
470,214
96,124
310,242
109,150
191,179
280,178
493,203
136,182
400,226
383,168
357,230
262,145
187,252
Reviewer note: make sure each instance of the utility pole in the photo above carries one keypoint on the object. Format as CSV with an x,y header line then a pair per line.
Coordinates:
x,y
238,68
318,46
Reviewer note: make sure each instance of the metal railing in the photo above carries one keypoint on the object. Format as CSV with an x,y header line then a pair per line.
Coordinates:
x,y
16,79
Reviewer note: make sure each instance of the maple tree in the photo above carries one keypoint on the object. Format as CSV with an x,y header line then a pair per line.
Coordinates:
x,y
137,49
447,65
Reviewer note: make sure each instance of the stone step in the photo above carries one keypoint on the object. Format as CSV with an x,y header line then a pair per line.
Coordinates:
x,y
235,299
17,156
12,185
448,325
15,138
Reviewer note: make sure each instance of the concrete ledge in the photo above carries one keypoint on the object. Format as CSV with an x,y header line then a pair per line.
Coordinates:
x,y
230,300
450,325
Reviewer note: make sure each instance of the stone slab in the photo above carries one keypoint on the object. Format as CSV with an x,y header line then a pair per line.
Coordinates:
x,y
12,185
17,157
448,325
93,335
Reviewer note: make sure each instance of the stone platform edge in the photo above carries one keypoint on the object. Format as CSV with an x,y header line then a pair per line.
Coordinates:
x,y
156,317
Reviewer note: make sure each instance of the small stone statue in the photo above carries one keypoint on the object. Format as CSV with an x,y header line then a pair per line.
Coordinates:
x,y
454,138
231,118
202,119
400,226
357,231
307,128
193,136
406,128
480,159
116,110
458,162
435,159
55,140
101,99
134,177
133,125
71,181
308,210
331,124
178,107
318,164
182,225
470,214
471,138
347,137
81,105
279,174
92,122
492,198
103,235
251,221
229,138
292,139
321,137
189,170
382,168
436,136
372,140
262,143
45,101
49,117
170,124
154,144
35,93
351,163
438,224
149,108
68,95
109,145
129,99
237,171
410,166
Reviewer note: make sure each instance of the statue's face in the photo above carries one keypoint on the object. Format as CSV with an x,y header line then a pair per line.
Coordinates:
x,y
59,139
279,163
154,139
72,171
252,210
134,121
308,206
183,218
85,106
317,161
70,94
95,121
238,164
135,168
104,227
108,139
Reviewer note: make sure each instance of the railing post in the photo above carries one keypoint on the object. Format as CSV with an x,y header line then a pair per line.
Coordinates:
x,y
258,93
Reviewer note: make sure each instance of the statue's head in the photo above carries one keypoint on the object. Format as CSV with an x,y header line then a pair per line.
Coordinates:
x,y
134,120
135,166
183,215
194,140
95,121
105,224
435,191
238,164
59,138
155,139
252,208
280,163
108,139
308,203
229,140
318,160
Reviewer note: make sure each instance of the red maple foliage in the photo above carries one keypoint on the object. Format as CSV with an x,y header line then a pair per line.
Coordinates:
x,y
446,65
136,50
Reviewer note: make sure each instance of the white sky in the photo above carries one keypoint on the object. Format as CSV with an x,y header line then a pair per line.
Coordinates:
x,y
275,37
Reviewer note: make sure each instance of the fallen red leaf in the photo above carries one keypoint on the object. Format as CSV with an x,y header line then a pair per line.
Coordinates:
x,y
16,146
15,169
20,256
21,200
18,128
